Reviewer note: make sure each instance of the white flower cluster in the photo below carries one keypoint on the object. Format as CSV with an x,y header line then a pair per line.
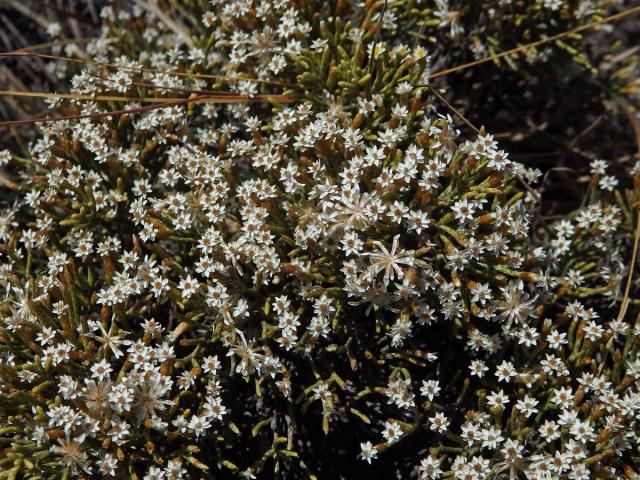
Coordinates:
x,y
202,286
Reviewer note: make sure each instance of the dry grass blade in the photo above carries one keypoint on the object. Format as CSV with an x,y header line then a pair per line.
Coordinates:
x,y
377,35
624,306
144,69
612,18
8,78
33,121
441,73
454,110
574,143
478,131
165,103
27,12
627,289
625,300
213,97
196,91
153,8
55,43
76,96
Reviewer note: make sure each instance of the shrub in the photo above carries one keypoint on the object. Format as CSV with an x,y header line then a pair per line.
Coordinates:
x,y
313,271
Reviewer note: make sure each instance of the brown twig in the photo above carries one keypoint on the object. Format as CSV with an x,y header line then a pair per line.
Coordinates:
x,y
574,143
143,69
375,37
31,121
173,25
196,91
54,43
215,97
27,12
625,300
147,108
454,110
537,43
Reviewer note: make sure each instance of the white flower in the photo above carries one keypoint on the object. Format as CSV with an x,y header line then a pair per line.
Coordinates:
x,y
154,473
392,431
108,339
107,465
439,423
72,452
497,399
515,305
351,244
101,370
368,451
505,371
188,286
390,261
199,425
478,368
463,210
210,364
429,469
527,406
430,389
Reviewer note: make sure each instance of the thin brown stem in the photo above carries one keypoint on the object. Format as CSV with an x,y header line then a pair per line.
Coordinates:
x,y
612,18
143,69
147,108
